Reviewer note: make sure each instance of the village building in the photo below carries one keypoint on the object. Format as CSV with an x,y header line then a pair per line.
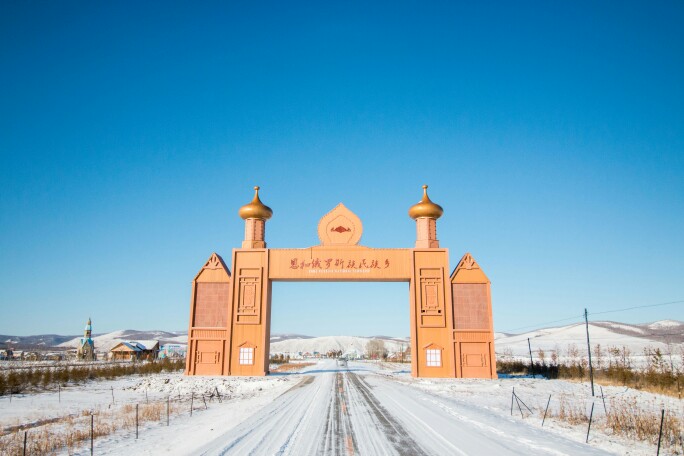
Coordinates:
x,y
7,354
173,351
135,350
86,348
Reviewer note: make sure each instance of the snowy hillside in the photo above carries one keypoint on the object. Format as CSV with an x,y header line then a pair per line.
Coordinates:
x,y
352,346
106,342
287,344
667,335
40,341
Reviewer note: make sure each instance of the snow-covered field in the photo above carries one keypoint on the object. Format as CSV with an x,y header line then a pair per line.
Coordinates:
x,y
364,408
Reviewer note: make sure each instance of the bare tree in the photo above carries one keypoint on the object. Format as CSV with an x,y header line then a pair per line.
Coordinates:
x,y
375,349
598,356
542,355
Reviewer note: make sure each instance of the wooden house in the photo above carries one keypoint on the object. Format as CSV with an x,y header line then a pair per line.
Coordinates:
x,y
135,350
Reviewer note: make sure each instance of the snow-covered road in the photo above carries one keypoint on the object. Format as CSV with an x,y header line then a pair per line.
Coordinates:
x,y
345,411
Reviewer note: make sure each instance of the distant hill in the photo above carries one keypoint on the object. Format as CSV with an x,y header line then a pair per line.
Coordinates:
x,y
667,335
34,342
283,337
348,345
105,342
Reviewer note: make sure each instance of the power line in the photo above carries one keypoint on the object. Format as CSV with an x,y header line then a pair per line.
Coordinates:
x,y
538,325
663,334
636,307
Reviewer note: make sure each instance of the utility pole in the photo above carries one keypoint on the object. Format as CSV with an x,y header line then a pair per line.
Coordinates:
x,y
591,369
531,363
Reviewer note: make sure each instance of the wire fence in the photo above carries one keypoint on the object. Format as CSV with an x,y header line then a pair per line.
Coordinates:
x,y
612,414
72,432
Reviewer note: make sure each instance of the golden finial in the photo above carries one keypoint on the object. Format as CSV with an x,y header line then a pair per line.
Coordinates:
x,y
425,208
256,209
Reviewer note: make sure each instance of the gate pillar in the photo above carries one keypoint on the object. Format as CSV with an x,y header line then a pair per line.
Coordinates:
x,y
250,313
432,348
473,322
250,300
208,327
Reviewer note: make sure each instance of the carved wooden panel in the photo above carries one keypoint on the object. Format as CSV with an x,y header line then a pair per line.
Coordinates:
x,y
214,262
475,362
211,304
209,334
208,357
472,336
249,296
340,227
471,306
432,312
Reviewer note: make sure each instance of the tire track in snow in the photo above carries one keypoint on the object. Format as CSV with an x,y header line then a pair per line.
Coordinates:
x,y
441,428
328,443
389,426
501,435
259,434
338,436
347,435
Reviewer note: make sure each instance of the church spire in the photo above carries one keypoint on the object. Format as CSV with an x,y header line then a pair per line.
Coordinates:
x,y
88,330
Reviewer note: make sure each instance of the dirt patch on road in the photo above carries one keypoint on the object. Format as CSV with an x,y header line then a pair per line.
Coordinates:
x,y
302,383
289,367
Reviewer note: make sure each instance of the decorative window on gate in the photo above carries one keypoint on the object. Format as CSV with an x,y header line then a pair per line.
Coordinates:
x,y
246,355
434,357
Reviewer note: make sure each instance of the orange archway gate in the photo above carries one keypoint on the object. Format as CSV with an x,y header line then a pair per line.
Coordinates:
x,y
452,331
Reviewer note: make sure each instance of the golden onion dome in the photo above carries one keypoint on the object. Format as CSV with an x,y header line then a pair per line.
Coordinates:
x,y
425,208
256,209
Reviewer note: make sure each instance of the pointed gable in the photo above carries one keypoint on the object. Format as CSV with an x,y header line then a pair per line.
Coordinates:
x,y
432,346
214,270
468,271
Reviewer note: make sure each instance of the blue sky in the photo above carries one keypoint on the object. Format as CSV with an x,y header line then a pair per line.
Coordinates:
x,y
130,135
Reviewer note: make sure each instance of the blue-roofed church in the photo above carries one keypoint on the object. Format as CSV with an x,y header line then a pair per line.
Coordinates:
x,y
86,349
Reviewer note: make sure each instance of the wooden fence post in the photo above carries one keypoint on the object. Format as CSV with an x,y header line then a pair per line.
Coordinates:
x,y
547,409
92,433
605,410
591,415
660,433
517,401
